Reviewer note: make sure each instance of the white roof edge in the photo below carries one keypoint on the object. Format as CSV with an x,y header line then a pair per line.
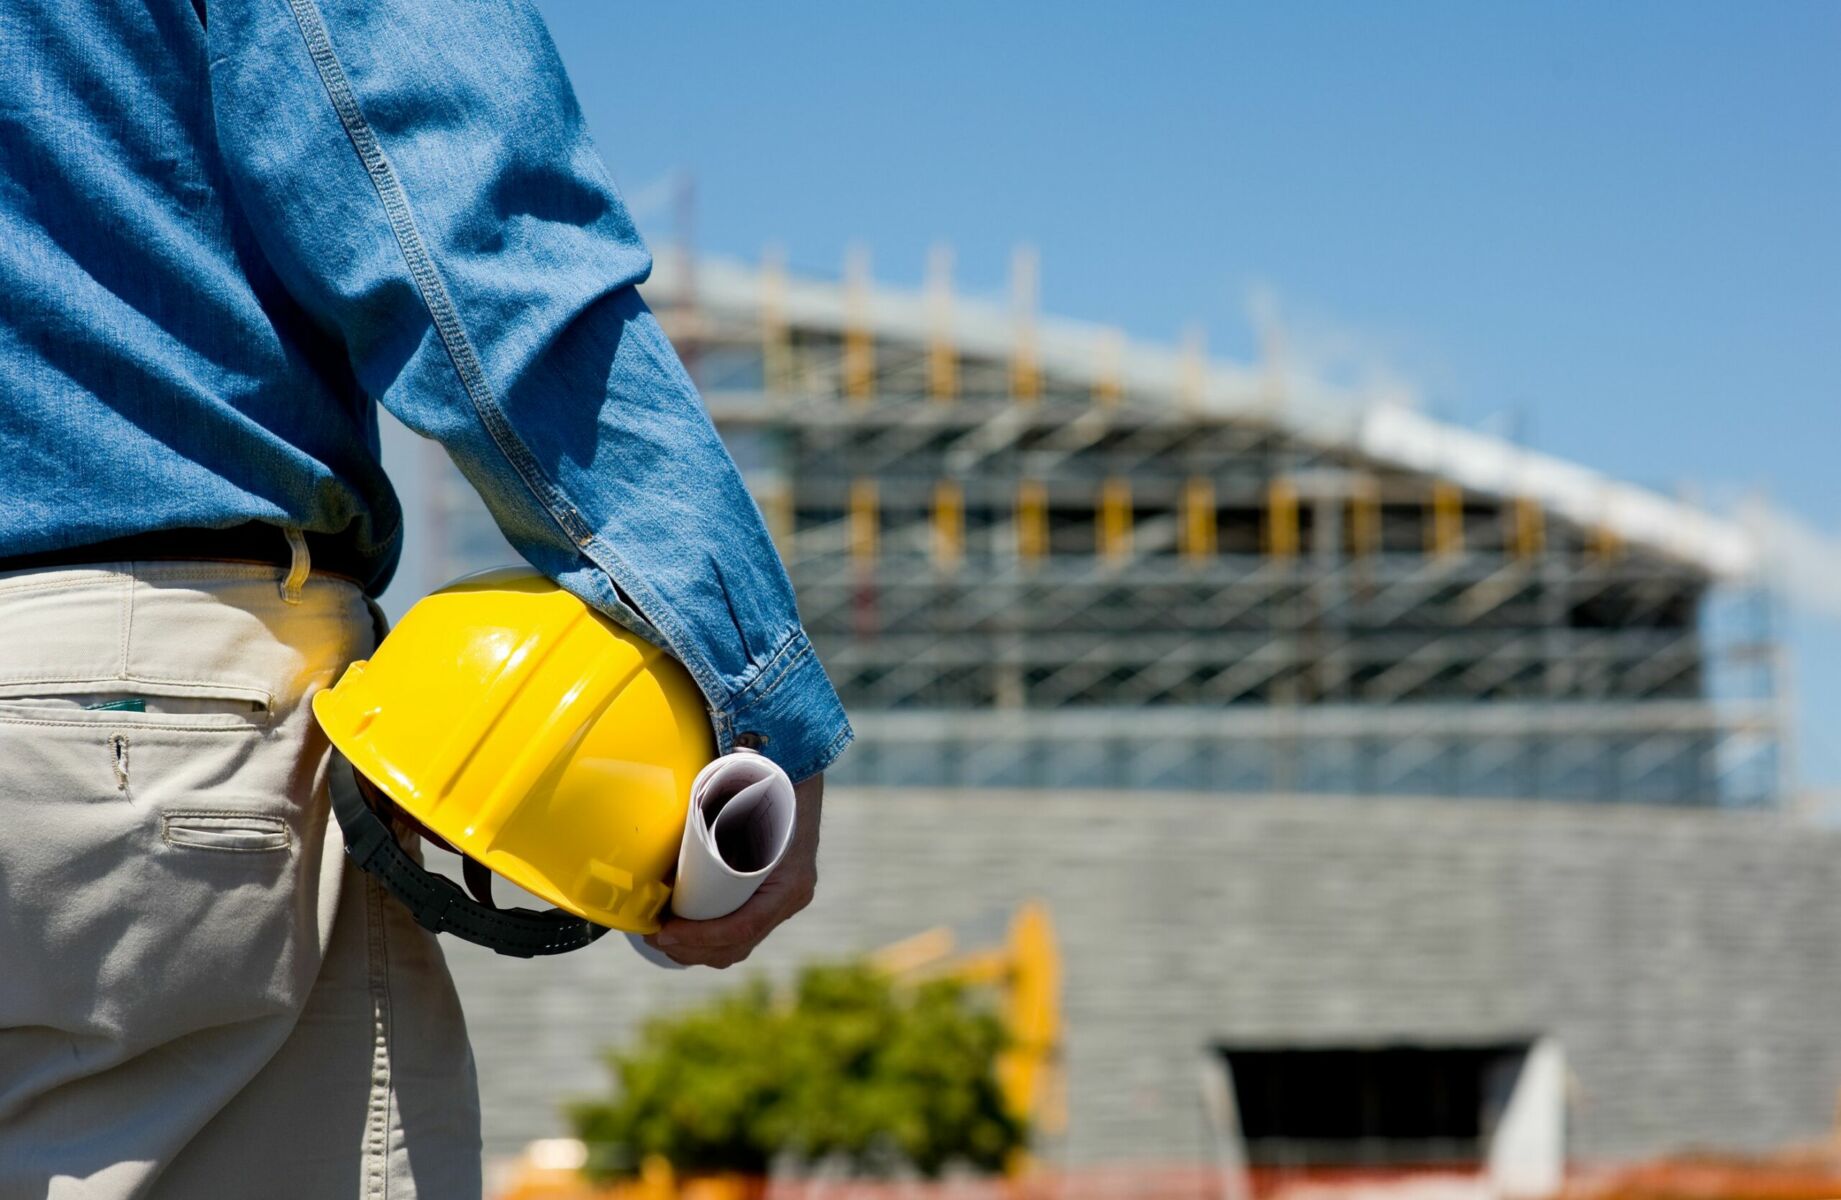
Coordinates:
x,y
1480,462
1371,423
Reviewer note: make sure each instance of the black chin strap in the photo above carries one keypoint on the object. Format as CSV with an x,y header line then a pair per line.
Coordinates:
x,y
437,903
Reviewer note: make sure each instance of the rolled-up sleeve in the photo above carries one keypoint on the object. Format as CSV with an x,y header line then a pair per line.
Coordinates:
x,y
418,176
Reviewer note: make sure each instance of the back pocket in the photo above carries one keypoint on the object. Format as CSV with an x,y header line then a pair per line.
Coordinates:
x,y
212,707
236,832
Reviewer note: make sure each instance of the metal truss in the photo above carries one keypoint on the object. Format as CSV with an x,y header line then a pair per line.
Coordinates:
x,y
1014,584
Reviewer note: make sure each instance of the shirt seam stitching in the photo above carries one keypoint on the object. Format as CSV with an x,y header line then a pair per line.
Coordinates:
x,y
778,665
449,328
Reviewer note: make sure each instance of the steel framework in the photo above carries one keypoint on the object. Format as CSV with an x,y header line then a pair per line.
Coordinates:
x,y
1022,573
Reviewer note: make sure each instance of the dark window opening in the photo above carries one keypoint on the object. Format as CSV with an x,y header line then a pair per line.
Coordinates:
x,y
1371,1106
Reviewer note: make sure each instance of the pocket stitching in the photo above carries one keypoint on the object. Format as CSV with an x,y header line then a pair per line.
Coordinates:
x,y
15,687
17,706
272,828
170,723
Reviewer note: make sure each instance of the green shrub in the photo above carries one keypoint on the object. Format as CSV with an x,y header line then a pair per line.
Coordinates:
x,y
851,1068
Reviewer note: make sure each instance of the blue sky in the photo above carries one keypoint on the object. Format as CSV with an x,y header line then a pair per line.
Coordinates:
x,y
1610,231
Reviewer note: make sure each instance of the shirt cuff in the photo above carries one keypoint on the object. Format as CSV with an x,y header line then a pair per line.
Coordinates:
x,y
790,712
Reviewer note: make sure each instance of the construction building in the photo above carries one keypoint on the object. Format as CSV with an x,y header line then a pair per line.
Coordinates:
x,y
1291,700
1168,573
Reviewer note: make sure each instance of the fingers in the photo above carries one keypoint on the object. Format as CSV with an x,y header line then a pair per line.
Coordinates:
x,y
725,941
683,942
745,926
694,957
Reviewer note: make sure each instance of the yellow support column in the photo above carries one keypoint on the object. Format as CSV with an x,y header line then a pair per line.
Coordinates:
x,y
1109,378
1364,519
1527,530
1446,537
859,339
1025,371
1115,520
776,343
948,524
1603,544
1281,519
865,522
1032,520
942,349
1197,531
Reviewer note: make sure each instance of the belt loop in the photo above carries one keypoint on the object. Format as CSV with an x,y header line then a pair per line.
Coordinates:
x,y
297,570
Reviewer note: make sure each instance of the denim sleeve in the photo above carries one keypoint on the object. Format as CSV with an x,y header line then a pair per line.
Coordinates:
x,y
418,175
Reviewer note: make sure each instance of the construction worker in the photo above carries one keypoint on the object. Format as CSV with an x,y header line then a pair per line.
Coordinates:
x,y
227,228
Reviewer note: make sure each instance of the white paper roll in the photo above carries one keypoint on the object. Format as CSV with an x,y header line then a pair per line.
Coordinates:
x,y
736,832
738,828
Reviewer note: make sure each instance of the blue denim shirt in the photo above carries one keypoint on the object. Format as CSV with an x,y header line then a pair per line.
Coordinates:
x,y
229,227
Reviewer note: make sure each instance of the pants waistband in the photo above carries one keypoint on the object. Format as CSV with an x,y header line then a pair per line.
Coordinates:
x,y
250,542
180,629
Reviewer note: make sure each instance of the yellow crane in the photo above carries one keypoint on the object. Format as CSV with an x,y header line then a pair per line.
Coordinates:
x,y
1026,969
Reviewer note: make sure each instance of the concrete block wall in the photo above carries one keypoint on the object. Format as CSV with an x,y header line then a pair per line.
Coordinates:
x,y
1689,962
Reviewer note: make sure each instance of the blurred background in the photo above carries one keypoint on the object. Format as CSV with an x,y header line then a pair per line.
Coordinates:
x,y
1323,519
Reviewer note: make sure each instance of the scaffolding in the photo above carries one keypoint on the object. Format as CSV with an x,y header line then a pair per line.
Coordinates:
x,y
1036,554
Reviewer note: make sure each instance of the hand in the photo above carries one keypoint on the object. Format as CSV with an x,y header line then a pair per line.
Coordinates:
x,y
725,941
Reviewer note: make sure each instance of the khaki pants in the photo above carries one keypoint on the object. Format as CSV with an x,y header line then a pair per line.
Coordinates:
x,y
198,998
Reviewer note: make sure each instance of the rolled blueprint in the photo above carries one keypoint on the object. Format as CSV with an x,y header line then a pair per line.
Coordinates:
x,y
736,832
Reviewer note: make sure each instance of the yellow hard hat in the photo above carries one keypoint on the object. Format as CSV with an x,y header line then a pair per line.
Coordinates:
x,y
538,739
